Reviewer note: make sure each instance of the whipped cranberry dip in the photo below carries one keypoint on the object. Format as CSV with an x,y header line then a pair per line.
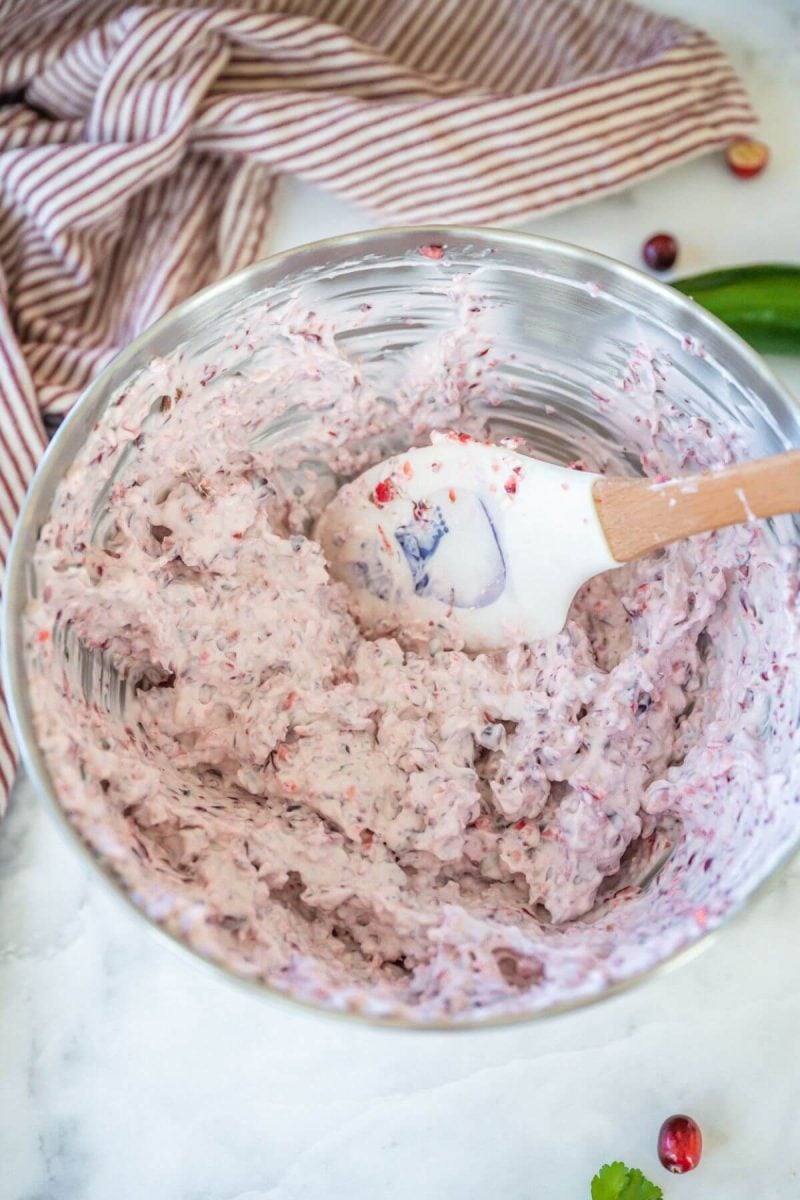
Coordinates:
x,y
393,825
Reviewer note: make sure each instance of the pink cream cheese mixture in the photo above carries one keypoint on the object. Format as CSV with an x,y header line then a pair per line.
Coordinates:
x,y
391,825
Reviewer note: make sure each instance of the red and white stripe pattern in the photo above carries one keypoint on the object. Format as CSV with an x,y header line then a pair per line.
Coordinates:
x,y
139,145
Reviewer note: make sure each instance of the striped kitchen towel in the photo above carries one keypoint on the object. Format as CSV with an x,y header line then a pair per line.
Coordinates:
x,y
140,144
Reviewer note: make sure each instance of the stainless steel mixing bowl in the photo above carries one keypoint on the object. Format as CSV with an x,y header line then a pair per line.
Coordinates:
x,y
567,321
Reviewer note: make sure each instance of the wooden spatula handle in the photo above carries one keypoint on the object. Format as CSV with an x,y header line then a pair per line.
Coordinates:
x,y
638,515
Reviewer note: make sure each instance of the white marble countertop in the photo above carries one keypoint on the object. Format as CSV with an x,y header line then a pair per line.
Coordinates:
x,y
128,1073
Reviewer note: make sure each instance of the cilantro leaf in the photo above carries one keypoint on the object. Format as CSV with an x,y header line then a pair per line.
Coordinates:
x,y
609,1181
615,1181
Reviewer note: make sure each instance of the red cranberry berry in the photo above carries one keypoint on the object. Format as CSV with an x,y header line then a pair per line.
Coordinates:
x,y
660,251
383,493
747,157
680,1144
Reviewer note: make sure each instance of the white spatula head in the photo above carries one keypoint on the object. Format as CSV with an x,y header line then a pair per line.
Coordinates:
x,y
466,541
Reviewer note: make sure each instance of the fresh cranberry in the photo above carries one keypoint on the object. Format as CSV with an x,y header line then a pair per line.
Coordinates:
x,y
384,492
747,157
680,1144
660,251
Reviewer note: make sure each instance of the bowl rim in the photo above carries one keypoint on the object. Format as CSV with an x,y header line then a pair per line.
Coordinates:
x,y
50,470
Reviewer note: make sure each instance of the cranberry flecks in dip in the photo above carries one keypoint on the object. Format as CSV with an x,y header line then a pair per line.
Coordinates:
x,y
393,825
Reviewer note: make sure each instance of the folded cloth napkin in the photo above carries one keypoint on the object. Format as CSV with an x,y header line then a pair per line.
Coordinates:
x,y
140,145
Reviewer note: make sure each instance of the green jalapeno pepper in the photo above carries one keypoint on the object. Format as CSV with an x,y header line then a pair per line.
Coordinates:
x,y
760,303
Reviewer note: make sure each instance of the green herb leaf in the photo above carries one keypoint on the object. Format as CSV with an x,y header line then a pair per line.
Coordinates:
x,y
615,1181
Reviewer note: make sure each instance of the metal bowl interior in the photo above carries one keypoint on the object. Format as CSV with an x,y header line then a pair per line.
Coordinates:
x,y
564,324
